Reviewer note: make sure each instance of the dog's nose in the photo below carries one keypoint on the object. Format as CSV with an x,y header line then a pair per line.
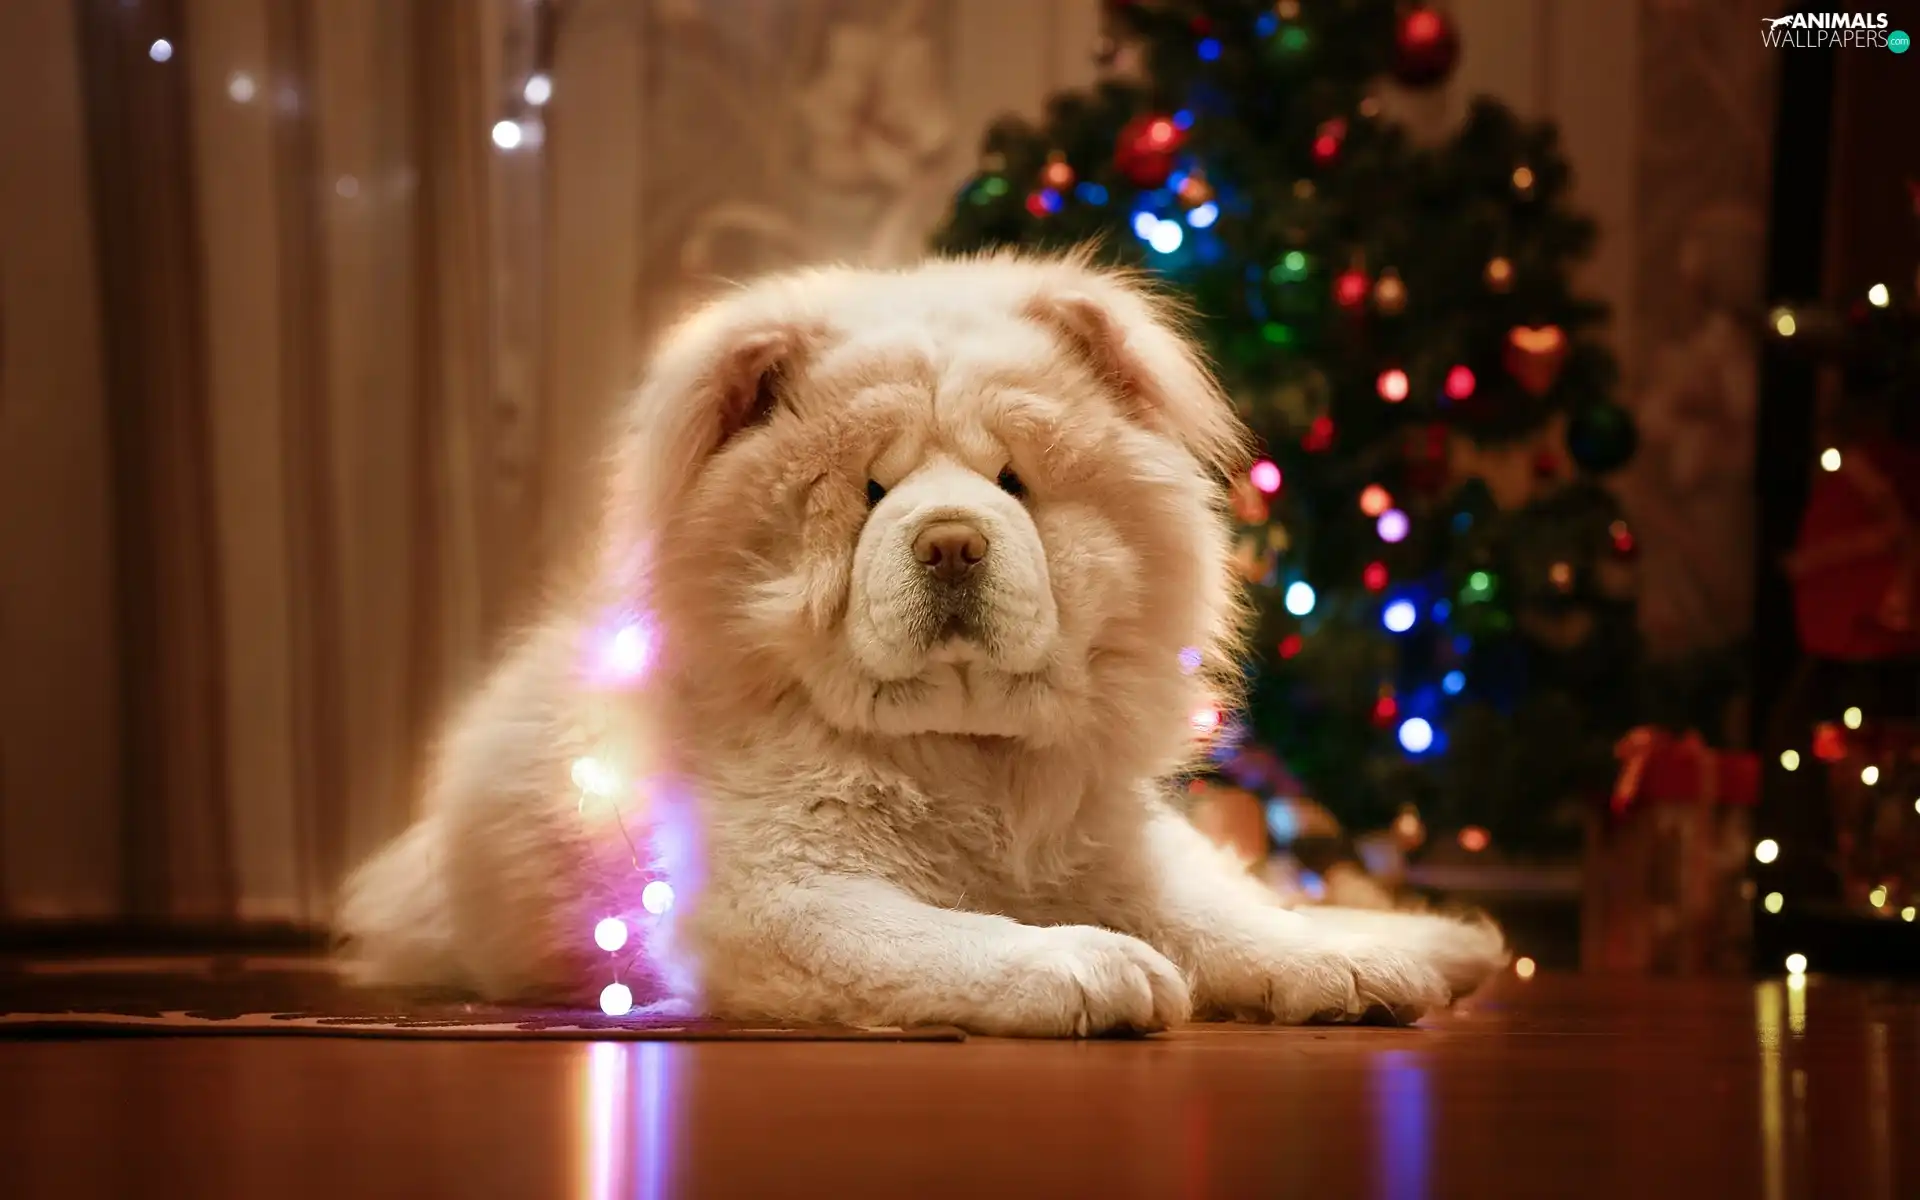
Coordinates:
x,y
950,549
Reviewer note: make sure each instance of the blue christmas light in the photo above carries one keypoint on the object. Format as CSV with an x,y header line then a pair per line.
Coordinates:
x,y
1203,215
1299,598
1442,609
1282,822
1209,49
1144,223
1462,521
1092,193
1416,735
1462,644
1050,200
1399,616
1453,682
1183,119
1266,25
1166,237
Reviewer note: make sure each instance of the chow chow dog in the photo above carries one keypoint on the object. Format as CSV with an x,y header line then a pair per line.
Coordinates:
x,y
931,569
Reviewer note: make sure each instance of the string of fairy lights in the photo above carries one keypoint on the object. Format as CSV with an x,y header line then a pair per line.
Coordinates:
x,y
1828,744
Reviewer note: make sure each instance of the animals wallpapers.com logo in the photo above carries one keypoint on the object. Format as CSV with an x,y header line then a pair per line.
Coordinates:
x,y
1817,30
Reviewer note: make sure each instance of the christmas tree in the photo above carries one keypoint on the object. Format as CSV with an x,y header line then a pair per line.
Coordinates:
x,y
1444,585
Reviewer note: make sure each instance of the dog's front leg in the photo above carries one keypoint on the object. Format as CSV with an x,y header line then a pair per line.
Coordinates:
x,y
862,951
1245,955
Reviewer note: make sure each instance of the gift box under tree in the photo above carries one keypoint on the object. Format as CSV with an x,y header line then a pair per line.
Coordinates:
x,y
1665,888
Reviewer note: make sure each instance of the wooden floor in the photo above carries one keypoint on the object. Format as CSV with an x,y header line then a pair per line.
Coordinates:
x,y
1554,1087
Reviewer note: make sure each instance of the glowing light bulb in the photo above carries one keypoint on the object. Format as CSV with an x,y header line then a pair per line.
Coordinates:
x,y
1879,296
539,89
1392,526
1524,967
1299,598
1144,223
1830,459
1766,850
1453,682
1374,576
1774,902
657,897
1790,759
1375,500
616,1000
610,934
1474,839
594,777
1878,896
1852,717
1392,385
1783,322
1869,775
161,50
1459,385
1796,964
1265,475
1166,237
1416,735
241,88
507,135
1399,616
1203,215
1907,913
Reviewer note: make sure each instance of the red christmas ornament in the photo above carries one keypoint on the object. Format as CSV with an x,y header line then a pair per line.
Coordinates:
x,y
1319,435
1534,356
1425,47
1144,152
1374,576
1829,742
1326,141
1350,288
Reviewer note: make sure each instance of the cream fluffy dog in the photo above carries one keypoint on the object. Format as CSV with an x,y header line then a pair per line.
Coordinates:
x,y
919,553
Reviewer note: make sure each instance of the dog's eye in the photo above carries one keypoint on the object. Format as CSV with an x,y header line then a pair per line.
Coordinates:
x,y
1012,484
875,493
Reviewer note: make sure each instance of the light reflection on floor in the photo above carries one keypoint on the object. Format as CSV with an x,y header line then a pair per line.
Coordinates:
x,y
1403,1124
628,1106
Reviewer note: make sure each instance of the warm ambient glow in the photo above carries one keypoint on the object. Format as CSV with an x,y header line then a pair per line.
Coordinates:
x,y
1790,759
1375,500
1879,296
1907,913
1766,850
1852,717
1783,322
1878,896
1796,964
1869,775
1774,902
1474,839
1830,459
1524,967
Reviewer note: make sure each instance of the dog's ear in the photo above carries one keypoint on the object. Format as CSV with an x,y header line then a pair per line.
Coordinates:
x,y
714,376
1132,339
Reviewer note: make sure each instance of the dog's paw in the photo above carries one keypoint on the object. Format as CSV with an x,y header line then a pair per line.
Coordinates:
x,y
1346,982
1081,980
1466,951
